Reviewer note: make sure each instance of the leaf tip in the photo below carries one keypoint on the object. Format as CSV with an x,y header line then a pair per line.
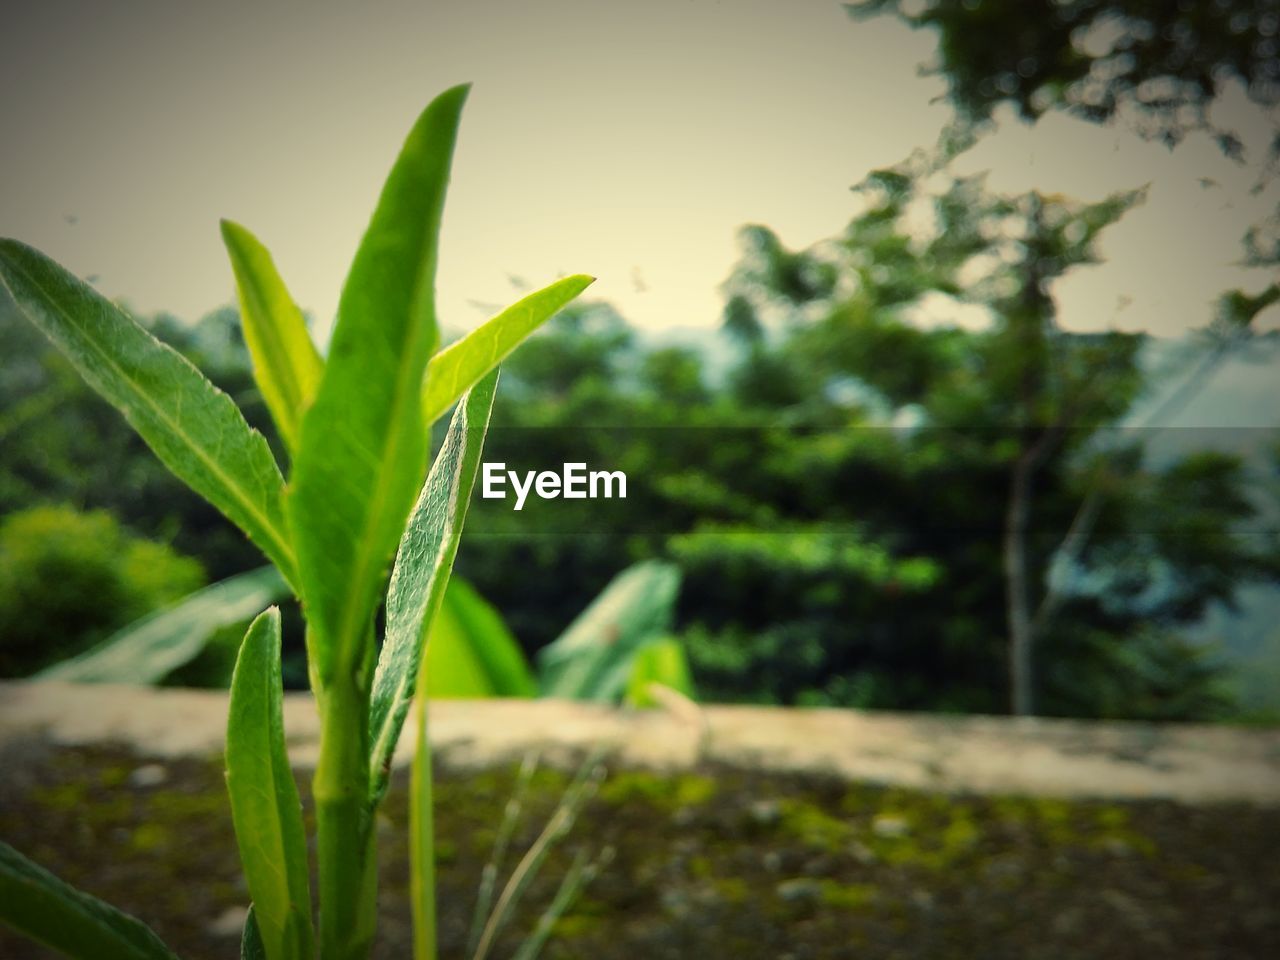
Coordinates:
x,y
234,235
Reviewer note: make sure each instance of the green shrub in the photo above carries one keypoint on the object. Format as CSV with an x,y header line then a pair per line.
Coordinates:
x,y
68,578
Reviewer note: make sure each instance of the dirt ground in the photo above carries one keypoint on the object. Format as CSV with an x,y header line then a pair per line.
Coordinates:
x,y
716,862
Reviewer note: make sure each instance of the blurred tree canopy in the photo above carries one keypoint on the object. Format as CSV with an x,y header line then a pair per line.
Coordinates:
x,y
906,487
868,507
67,579
836,489
1160,63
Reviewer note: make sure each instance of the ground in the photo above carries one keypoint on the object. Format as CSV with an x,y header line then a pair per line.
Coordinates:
x,y
716,862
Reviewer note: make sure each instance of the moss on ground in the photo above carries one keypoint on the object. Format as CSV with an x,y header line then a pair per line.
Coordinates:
x,y
715,863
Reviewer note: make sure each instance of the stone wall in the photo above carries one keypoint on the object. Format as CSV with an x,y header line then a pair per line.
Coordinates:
x,y
1191,764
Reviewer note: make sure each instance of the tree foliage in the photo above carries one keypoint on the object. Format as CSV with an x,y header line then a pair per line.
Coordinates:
x,y
1160,62
838,496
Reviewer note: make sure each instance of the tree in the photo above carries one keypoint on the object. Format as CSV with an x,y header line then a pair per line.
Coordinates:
x,y
1021,400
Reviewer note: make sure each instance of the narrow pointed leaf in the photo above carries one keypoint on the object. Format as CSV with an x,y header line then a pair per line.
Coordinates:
x,y
363,444
40,906
193,427
150,648
286,364
421,572
264,798
453,370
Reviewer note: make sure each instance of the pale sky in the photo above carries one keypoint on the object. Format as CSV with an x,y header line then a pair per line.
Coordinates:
x,y
629,140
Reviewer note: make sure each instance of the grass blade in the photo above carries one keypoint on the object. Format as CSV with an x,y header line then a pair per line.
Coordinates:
x,y
40,906
264,798
149,649
363,443
581,790
421,573
286,364
489,876
193,427
579,875
455,369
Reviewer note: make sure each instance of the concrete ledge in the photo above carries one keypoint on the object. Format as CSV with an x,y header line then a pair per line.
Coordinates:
x,y
1189,764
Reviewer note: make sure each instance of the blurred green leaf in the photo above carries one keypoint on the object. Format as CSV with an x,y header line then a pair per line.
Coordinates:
x,y
264,798
421,572
455,369
40,906
149,649
662,662
363,444
194,428
592,659
286,364
472,654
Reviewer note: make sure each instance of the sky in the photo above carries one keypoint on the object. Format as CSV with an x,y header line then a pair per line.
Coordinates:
x,y
630,141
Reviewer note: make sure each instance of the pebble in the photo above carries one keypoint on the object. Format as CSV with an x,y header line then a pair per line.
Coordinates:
x,y
766,812
148,775
230,923
890,827
801,888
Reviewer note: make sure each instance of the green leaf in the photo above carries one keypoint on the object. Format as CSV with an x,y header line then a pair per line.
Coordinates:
x,y
455,369
286,364
264,798
193,427
251,946
40,906
363,449
147,650
661,661
472,655
592,659
421,572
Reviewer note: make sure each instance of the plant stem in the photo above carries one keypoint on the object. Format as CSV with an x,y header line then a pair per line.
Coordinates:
x,y
341,789
422,861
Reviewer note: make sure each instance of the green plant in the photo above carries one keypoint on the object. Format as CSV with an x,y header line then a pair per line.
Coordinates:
x,y
150,649
618,646
356,430
614,651
67,578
